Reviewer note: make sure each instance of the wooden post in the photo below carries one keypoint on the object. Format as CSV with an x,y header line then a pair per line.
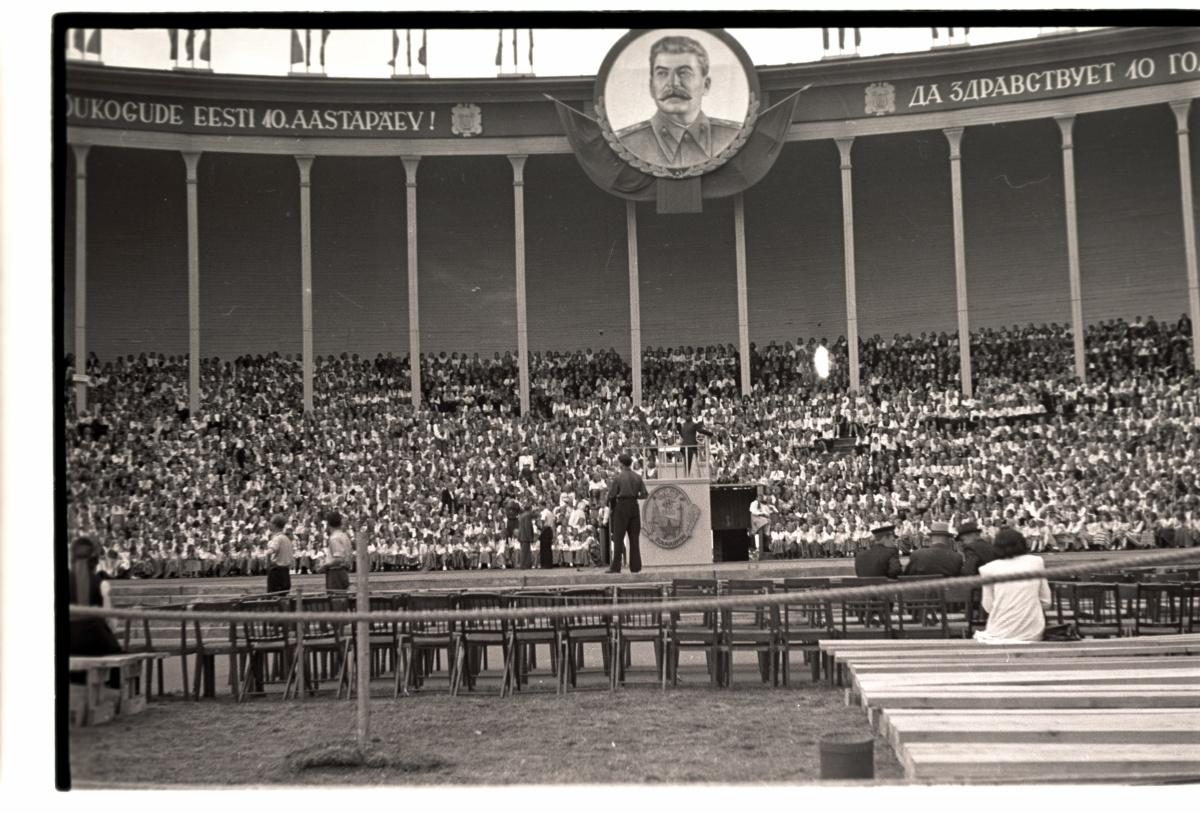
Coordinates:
x,y
1181,109
411,163
302,666
362,636
1065,123
81,387
305,164
845,145
191,161
635,303
954,136
518,167
739,242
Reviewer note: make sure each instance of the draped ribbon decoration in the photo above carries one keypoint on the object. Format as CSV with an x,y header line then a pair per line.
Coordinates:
x,y
609,172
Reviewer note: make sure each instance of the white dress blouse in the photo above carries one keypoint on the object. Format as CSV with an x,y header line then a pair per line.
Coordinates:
x,y
1015,609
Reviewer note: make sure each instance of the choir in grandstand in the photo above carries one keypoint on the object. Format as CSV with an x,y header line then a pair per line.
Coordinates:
x,y
1109,464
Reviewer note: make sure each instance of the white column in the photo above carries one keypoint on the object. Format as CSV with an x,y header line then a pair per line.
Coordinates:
x,y
739,242
191,161
1065,123
635,303
1181,109
844,147
81,387
305,164
954,136
414,317
518,167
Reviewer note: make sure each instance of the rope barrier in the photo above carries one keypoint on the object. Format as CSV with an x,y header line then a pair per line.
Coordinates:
x,y
667,604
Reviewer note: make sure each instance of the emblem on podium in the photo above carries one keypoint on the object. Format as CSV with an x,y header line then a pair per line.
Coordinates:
x,y
466,120
669,516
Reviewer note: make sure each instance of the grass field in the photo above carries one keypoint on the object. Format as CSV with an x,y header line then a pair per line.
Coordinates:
x,y
636,735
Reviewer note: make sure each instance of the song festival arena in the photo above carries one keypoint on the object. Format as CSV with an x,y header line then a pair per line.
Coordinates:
x,y
832,405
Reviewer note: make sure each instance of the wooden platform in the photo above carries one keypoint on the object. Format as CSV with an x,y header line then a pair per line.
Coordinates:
x,y
1121,710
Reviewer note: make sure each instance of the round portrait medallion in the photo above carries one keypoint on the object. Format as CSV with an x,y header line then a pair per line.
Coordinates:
x,y
677,102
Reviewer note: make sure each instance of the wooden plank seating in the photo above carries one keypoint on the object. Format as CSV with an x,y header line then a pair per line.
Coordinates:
x,y
95,702
1050,762
1128,710
836,654
1025,664
1148,726
1050,683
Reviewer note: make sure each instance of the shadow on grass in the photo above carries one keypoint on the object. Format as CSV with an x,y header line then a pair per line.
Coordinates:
x,y
346,755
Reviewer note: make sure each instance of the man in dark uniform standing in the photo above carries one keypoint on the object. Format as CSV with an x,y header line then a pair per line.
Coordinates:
x,y
623,494
938,559
882,558
976,550
526,536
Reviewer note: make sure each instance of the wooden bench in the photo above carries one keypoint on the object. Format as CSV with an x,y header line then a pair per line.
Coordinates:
x,y
95,702
1123,710
836,655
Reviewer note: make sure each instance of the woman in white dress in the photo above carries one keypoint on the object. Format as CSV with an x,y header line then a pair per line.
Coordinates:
x,y
1016,610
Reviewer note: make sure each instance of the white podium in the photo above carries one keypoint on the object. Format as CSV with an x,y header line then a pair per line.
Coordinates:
x,y
676,523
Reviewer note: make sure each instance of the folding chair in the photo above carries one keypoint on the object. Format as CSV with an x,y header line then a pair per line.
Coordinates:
x,y
859,618
204,679
528,633
147,646
754,628
384,636
1060,600
264,641
1096,609
638,627
1161,609
583,628
423,639
804,622
964,611
475,636
323,648
693,629
922,615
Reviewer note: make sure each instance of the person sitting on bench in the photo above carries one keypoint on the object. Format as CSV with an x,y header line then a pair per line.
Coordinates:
x,y
1016,610
89,636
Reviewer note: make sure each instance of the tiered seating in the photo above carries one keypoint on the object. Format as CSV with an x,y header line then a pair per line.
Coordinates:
x,y
173,495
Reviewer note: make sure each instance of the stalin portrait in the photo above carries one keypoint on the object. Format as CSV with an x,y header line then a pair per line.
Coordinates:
x,y
679,134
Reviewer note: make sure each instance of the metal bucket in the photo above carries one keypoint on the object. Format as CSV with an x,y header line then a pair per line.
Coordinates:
x,y
847,756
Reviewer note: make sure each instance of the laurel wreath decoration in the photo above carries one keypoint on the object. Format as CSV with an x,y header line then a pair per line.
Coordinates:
x,y
660,171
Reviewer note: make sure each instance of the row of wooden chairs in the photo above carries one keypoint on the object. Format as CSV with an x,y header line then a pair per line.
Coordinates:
x,y
303,655
259,651
1114,609
310,652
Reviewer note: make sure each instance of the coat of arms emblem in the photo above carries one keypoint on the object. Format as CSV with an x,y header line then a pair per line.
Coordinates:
x,y
669,516
880,99
466,120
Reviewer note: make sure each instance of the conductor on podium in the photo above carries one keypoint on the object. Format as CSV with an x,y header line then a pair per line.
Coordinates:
x,y
623,494
688,431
